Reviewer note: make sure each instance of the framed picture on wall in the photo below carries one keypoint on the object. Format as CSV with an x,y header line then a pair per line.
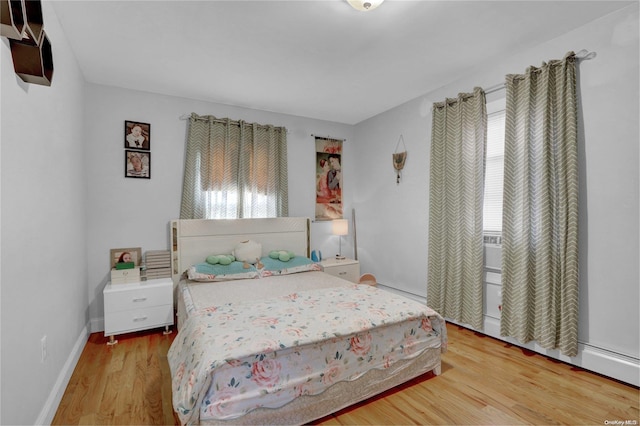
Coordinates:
x,y
137,164
137,135
123,255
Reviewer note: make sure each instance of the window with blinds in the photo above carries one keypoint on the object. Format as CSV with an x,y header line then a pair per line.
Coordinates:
x,y
494,171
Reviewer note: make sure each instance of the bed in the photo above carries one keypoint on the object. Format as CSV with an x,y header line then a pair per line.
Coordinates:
x,y
283,342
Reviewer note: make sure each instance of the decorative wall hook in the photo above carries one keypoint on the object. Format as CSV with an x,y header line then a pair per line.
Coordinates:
x,y
399,159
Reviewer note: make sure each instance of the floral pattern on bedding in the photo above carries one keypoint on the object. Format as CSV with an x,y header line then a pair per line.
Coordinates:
x,y
230,359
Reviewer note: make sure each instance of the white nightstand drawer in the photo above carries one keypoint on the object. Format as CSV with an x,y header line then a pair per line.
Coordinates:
x,y
347,272
138,319
137,306
347,269
140,297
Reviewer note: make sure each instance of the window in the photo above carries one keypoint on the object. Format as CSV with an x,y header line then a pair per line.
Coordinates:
x,y
224,205
234,169
494,172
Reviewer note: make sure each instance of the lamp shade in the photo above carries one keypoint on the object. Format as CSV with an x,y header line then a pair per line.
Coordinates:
x,y
365,5
340,227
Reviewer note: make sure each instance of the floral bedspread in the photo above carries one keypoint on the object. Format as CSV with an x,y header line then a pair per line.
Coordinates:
x,y
228,360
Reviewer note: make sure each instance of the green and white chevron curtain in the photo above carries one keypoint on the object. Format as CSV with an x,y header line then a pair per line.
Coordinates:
x,y
540,212
458,145
234,169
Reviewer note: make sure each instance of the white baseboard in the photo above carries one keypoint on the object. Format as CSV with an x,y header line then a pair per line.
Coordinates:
x,y
97,325
415,297
48,412
601,361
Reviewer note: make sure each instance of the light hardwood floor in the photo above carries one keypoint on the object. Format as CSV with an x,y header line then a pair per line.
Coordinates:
x,y
484,381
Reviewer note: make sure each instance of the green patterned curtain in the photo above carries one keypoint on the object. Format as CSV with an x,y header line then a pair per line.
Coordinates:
x,y
458,145
540,212
234,169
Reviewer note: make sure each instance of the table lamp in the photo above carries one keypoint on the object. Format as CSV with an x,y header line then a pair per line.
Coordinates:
x,y
340,227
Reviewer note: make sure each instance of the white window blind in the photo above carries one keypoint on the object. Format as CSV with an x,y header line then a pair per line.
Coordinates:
x,y
494,173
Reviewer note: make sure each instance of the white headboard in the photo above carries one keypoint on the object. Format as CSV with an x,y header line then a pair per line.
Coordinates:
x,y
192,240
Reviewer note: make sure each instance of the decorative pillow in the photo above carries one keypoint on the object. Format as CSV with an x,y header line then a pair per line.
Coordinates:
x,y
222,259
206,272
297,264
248,251
283,255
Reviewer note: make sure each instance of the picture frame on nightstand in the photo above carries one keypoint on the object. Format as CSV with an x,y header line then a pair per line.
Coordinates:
x,y
123,255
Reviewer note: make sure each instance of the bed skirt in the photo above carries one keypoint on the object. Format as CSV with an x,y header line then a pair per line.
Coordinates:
x,y
307,408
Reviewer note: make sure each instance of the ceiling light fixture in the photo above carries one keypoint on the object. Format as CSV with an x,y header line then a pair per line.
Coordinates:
x,y
365,5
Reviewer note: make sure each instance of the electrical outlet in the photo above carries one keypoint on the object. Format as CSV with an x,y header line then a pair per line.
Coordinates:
x,y
43,347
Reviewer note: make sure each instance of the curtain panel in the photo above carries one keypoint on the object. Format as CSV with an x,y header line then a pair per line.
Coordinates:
x,y
234,169
540,212
458,152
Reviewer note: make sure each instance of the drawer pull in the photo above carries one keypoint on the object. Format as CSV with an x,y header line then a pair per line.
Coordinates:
x,y
140,299
342,273
137,319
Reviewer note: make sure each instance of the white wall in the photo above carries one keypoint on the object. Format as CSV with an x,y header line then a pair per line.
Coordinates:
x,y
393,219
126,212
44,265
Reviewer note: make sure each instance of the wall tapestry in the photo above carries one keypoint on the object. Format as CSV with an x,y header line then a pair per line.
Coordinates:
x,y
328,178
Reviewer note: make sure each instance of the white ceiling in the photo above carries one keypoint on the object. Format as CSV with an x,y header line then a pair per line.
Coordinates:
x,y
319,59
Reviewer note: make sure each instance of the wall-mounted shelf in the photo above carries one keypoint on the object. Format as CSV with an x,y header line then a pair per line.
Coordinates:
x,y
34,22
23,25
33,62
11,19
21,20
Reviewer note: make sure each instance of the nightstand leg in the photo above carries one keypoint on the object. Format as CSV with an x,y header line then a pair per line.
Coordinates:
x,y
166,330
112,340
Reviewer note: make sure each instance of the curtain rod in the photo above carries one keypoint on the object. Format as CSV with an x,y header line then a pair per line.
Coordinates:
x,y
581,55
232,122
329,138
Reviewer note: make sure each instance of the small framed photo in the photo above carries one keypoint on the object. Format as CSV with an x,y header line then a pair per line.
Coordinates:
x,y
137,135
123,255
137,164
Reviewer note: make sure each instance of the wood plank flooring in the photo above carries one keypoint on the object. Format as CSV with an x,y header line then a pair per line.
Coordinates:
x,y
125,384
484,381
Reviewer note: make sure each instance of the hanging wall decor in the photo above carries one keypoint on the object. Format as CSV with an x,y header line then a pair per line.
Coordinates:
x,y
137,135
137,144
22,23
399,159
328,178
11,19
137,164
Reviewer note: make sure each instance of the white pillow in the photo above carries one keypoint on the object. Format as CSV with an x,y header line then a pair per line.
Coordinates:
x,y
248,251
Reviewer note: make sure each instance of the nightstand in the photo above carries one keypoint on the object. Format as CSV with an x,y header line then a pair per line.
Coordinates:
x,y
347,269
137,306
